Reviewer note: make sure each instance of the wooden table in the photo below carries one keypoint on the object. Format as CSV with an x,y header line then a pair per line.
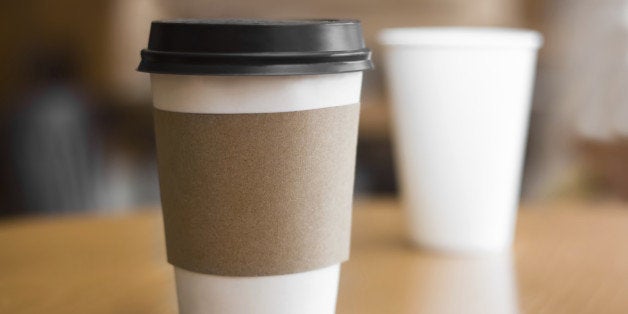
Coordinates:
x,y
569,257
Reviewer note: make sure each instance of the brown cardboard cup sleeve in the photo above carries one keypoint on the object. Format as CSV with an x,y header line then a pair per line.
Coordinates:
x,y
257,194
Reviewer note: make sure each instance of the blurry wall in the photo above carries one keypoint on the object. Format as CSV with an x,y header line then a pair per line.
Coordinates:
x,y
104,35
579,122
72,60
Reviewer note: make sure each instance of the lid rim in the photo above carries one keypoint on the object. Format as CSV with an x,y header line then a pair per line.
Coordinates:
x,y
259,69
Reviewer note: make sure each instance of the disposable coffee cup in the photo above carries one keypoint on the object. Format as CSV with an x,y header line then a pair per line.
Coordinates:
x,y
460,101
256,130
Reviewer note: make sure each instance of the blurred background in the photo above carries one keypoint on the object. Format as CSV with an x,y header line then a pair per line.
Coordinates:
x,y
75,118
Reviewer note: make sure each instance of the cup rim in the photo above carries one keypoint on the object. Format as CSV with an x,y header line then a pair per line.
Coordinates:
x,y
461,37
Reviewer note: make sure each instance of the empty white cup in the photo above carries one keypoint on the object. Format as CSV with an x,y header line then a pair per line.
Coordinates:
x,y
460,100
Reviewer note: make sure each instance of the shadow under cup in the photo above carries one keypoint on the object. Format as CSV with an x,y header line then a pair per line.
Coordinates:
x,y
256,155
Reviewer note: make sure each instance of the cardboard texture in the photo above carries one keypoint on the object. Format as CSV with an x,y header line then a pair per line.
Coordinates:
x,y
257,194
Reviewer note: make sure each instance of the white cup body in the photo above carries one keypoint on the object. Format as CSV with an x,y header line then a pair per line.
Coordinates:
x,y
461,101
308,292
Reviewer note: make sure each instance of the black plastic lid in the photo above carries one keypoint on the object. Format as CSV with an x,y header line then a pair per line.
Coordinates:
x,y
255,47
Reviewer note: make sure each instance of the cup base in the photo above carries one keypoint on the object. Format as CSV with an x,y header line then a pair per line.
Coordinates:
x,y
312,292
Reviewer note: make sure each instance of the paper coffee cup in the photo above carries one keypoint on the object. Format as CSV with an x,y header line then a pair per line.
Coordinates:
x,y
256,129
461,101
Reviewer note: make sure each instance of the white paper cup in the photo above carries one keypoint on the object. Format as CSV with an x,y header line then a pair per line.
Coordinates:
x,y
461,101
307,292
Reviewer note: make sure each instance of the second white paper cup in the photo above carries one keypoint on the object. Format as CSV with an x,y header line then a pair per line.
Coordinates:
x,y
461,100
312,292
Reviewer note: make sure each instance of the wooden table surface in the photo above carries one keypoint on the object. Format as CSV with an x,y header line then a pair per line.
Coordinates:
x,y
569,257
